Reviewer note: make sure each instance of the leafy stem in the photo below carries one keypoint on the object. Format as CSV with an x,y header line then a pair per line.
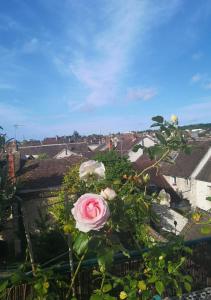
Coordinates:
x,y
102,282
76,273
165,154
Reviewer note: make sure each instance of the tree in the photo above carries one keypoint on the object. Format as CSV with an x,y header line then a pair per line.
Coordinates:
x,y
76,135
6,187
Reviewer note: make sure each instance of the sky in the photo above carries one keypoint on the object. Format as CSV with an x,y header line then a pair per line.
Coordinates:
x,y
102,66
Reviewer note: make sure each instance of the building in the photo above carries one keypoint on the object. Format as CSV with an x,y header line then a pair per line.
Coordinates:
x,y
190,175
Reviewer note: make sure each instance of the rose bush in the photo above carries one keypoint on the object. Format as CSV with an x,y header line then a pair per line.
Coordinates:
x,y
101,229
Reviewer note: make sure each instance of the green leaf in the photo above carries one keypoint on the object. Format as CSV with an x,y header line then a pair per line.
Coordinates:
x,y
96,297
206,229
117,182
132,295
152,279
108,297
3,286
188,278
107,287
161,138
16,277
170,268
208,198
81,243
179,292
158,119
105,257
137,147
187,286
159,287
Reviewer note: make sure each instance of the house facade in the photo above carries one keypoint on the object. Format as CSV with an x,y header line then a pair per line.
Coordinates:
x,y
190,175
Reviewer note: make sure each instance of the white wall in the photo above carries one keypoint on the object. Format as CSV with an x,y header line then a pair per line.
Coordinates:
x,y
146,142
193,190
203,190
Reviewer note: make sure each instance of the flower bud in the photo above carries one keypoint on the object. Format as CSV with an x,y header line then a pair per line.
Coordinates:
x,y
123,295
196,217
108,194
174,119
146,178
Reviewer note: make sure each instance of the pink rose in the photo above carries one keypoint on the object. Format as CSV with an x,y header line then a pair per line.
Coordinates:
x,y
91,212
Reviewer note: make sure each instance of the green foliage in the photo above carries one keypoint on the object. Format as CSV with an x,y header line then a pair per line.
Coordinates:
x,y
81,243
196,126
170,138
116,166
43,156
7,188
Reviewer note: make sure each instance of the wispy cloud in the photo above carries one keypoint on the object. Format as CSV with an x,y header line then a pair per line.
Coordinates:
x,y
7,23
100,65
6,86
31,46
196,78
203,80
141,94
197,55
196,112
207,85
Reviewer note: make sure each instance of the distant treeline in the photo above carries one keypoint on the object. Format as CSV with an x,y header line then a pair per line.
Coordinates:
x,y
197,126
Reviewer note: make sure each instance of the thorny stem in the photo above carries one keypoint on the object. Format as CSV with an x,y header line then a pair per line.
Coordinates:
x,y
69,242
75,274
155,164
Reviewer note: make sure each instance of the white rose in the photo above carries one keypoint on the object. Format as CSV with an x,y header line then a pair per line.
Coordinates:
x,y
108,194
91,167
174,119
165,198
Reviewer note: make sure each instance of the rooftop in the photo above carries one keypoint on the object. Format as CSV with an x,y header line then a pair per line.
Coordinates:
x,y
48,173
185,164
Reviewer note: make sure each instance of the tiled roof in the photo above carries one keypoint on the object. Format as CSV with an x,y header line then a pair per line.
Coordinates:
x,y
205,174
127,142
48,173
53,149
185,164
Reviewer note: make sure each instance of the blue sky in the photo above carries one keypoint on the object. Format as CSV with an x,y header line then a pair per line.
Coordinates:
x,y
101,66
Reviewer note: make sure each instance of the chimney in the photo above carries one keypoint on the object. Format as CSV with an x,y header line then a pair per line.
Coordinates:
x,y
11,167
110,144
13,147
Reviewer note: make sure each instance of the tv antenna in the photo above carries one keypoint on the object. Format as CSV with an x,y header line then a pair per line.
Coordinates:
x,y
16,126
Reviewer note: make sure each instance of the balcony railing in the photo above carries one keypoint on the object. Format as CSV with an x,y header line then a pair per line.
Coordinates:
x,y
198,266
